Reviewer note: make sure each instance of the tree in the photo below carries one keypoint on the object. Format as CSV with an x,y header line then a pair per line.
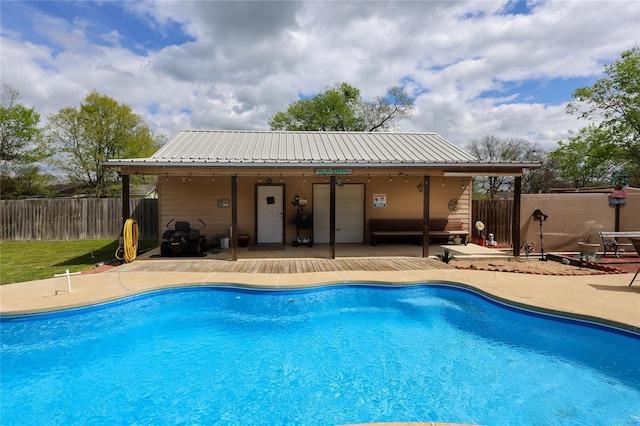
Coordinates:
x,y
21,147
612,105
492,148
588,158
101,128
382,114
340,108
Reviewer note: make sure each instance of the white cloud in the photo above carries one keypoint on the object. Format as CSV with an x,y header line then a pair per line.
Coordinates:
x,y
244,61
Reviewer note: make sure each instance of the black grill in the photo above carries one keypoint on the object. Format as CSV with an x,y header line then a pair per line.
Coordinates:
x,y
304,221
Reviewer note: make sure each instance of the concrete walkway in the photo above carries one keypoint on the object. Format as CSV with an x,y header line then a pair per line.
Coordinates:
x,y
602,298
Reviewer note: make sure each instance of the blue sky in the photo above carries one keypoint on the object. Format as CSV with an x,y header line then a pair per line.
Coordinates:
x,y
505,68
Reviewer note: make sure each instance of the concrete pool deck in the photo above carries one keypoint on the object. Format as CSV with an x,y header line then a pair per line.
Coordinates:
x,y
606,299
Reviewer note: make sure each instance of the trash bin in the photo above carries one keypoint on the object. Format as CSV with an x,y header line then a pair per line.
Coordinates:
x,y
225,243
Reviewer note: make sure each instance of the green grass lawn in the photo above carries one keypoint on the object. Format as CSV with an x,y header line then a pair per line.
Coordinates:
x,y
34,260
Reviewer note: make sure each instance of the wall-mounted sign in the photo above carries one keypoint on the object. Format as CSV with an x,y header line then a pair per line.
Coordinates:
x,y
379,200
332,171
224,203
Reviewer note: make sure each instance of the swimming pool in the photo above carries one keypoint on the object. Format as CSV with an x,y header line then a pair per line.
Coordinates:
x,y
344,354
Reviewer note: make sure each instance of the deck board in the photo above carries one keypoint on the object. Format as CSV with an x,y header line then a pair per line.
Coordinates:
x,y
286,266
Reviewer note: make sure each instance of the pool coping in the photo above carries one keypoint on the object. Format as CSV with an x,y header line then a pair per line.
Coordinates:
x,y
601,299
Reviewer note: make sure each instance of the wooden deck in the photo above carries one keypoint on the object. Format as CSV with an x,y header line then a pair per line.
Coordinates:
x,y
285,266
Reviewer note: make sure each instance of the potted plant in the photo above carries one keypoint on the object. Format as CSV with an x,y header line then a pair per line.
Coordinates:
x,y
243,240
588,244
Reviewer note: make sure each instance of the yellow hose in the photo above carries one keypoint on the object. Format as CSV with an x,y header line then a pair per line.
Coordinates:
x,y
130,240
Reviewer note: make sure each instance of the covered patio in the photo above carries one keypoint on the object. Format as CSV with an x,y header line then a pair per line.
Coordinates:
x,y
264,185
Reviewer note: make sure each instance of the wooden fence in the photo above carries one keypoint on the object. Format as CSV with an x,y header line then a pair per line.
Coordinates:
x,y
497,217
74,219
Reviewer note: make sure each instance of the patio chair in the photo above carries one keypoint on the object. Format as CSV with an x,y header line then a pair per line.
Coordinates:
x,y
636,245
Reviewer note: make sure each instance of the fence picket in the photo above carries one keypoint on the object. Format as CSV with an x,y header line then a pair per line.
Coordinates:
x,y
72,219
497,217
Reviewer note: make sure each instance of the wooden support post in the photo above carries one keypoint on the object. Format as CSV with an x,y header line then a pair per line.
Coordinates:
x,y
332,218
126,213
234,218
515,222
426,191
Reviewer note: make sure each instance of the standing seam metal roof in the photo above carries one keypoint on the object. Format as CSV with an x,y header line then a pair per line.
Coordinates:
x,y
260,147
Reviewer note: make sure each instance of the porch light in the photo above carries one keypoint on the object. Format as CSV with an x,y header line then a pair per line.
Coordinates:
x,y
184,179
368,178
167,177
259,178
442,181
390,178
213,177
419,187
303,178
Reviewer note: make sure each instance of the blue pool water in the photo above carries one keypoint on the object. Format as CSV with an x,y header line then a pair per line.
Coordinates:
x,y
347,354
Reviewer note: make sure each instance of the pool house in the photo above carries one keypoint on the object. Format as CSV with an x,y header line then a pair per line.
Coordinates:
x,y
264,187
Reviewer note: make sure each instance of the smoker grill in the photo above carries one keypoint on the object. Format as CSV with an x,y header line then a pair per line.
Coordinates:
x,y
305,222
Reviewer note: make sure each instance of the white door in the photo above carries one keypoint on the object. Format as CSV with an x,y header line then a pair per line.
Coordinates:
x,y
270,209
349,213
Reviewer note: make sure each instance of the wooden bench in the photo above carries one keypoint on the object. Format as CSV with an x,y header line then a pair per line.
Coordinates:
x,y
439,229
610,240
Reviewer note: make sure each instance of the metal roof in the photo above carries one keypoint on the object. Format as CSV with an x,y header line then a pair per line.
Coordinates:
x,y
266,148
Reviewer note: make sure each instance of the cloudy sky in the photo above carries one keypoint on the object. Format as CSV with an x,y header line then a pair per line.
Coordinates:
x,y
475,68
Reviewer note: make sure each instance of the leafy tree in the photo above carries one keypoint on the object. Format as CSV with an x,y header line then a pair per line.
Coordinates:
x,y
21,147
492,148
612,105
340,108
588,158
101,128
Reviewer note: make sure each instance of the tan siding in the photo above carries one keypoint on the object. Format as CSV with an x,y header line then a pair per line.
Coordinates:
x,y
193,200
198,199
